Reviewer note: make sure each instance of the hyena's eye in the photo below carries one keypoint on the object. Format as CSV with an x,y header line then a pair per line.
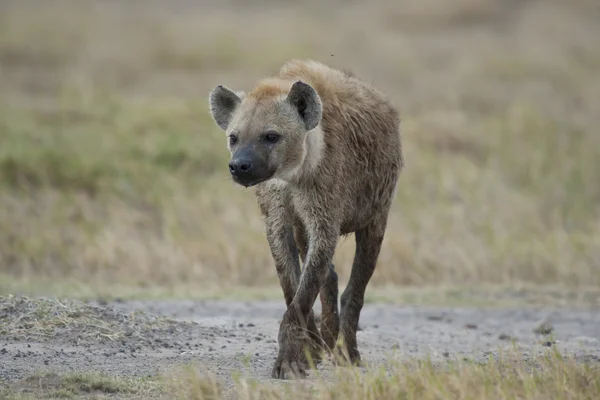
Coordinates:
x,y
233,139
271,137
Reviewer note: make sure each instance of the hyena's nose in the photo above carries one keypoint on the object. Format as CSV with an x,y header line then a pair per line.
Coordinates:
x,y
240,167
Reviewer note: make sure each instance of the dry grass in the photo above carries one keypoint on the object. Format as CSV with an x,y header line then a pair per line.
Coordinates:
x,y
451,295
47,319
112,172
508,376
49,385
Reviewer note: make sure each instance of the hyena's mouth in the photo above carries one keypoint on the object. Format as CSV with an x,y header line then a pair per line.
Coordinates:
x,y
250,184
245,182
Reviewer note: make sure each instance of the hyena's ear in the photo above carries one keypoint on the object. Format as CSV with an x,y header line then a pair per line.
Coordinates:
x,y
308,103
223,103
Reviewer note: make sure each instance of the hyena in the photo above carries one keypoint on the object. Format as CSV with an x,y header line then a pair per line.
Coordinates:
x,y
322,150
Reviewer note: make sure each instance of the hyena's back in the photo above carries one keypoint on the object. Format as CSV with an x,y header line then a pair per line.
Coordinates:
x,y
363,154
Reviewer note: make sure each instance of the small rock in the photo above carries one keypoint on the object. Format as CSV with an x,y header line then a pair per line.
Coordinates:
x,y
435,317
102,301
470,326
504,336
543,328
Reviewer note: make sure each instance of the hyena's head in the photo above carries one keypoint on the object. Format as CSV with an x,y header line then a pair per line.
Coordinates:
x,y
266,129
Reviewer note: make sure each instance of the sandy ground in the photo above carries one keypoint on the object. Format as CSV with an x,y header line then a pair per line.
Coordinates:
x,y
222,336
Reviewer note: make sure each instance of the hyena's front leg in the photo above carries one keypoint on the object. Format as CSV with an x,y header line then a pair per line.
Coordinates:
x,y
285,254
330,322
291,361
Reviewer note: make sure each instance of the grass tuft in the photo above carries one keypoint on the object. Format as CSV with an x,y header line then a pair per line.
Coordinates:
x,y
44,319
506,376
48,385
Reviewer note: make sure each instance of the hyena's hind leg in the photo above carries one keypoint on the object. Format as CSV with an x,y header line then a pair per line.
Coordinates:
x,y
368,245
330,322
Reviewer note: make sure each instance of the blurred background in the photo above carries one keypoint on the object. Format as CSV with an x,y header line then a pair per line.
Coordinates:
x,y
112,172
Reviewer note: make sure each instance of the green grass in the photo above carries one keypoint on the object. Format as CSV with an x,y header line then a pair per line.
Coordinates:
x,y
106,146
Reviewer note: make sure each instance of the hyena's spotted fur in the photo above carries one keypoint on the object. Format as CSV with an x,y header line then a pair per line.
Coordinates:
x,y
323,151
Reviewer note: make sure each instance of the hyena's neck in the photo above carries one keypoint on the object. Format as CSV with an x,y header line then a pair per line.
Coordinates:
x,y
314,147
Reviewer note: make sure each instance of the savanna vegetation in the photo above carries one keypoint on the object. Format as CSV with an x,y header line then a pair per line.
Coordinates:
x,y
112,171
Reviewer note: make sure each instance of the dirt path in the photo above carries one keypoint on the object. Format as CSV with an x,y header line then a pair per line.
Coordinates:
x,y
232,336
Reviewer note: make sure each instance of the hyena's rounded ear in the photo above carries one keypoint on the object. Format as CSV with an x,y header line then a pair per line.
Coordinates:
x,y
223,103
307,102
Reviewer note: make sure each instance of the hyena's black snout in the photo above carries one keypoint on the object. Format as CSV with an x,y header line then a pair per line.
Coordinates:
x,y
247,168
240,167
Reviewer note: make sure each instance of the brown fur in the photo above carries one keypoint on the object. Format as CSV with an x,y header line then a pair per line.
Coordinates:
x,y
268,88
334,179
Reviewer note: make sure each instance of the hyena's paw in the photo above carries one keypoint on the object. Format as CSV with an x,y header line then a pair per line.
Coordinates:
x,y
286,369
296,347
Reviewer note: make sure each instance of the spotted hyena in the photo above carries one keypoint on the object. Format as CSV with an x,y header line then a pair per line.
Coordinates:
x,y
322,150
